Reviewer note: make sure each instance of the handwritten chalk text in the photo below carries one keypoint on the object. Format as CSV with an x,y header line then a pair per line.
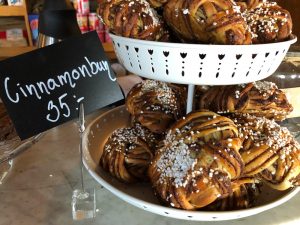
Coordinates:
x,y
69,78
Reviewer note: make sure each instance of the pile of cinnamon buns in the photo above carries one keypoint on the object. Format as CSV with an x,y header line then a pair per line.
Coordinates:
x,y
232,22
214,158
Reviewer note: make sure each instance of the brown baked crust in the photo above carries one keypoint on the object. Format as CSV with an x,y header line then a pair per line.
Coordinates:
x,y
269,23
157,3
207,21
197,161
156,105
269,151
246,190
248,4
127,154
133,19
260,98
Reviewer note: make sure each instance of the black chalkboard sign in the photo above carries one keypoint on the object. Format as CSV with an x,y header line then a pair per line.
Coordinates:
x,y
43,88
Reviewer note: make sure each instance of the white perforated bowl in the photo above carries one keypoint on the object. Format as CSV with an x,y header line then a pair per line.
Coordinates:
x,y
142,195
199,63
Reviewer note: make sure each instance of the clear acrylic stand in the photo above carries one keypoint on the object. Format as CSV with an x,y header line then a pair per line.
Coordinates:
x,y
83,200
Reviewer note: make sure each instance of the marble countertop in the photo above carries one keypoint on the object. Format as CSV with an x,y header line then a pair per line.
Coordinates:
x,y
38,191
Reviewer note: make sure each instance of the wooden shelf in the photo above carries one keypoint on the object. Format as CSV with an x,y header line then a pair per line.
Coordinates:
x,y
14,51
7,52
108,47
22,11
109,50
12,11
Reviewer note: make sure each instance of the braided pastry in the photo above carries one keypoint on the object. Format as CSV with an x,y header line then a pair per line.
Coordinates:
x,y
157,3
245,193
260,98
197,161
132,18
249,4
207,21
151,138
156,105
269,23
269,151
127,154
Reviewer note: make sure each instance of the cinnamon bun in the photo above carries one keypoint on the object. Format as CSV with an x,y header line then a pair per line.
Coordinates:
x,y
127,154
207,21
157,3
248,4
260,98
197,161
132,18
156,105
245,192
269,151
268,23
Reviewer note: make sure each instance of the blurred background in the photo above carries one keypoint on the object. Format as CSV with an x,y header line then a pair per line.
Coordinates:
x,y
19,24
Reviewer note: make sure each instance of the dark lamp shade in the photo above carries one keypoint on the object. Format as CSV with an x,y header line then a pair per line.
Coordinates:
x,y
59,24
57,5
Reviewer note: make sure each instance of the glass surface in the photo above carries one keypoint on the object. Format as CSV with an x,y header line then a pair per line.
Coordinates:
x,y
4,170
6,147
83,204
11,148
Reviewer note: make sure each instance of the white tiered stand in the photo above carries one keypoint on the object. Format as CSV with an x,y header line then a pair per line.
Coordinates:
x,y
185,64
200,64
